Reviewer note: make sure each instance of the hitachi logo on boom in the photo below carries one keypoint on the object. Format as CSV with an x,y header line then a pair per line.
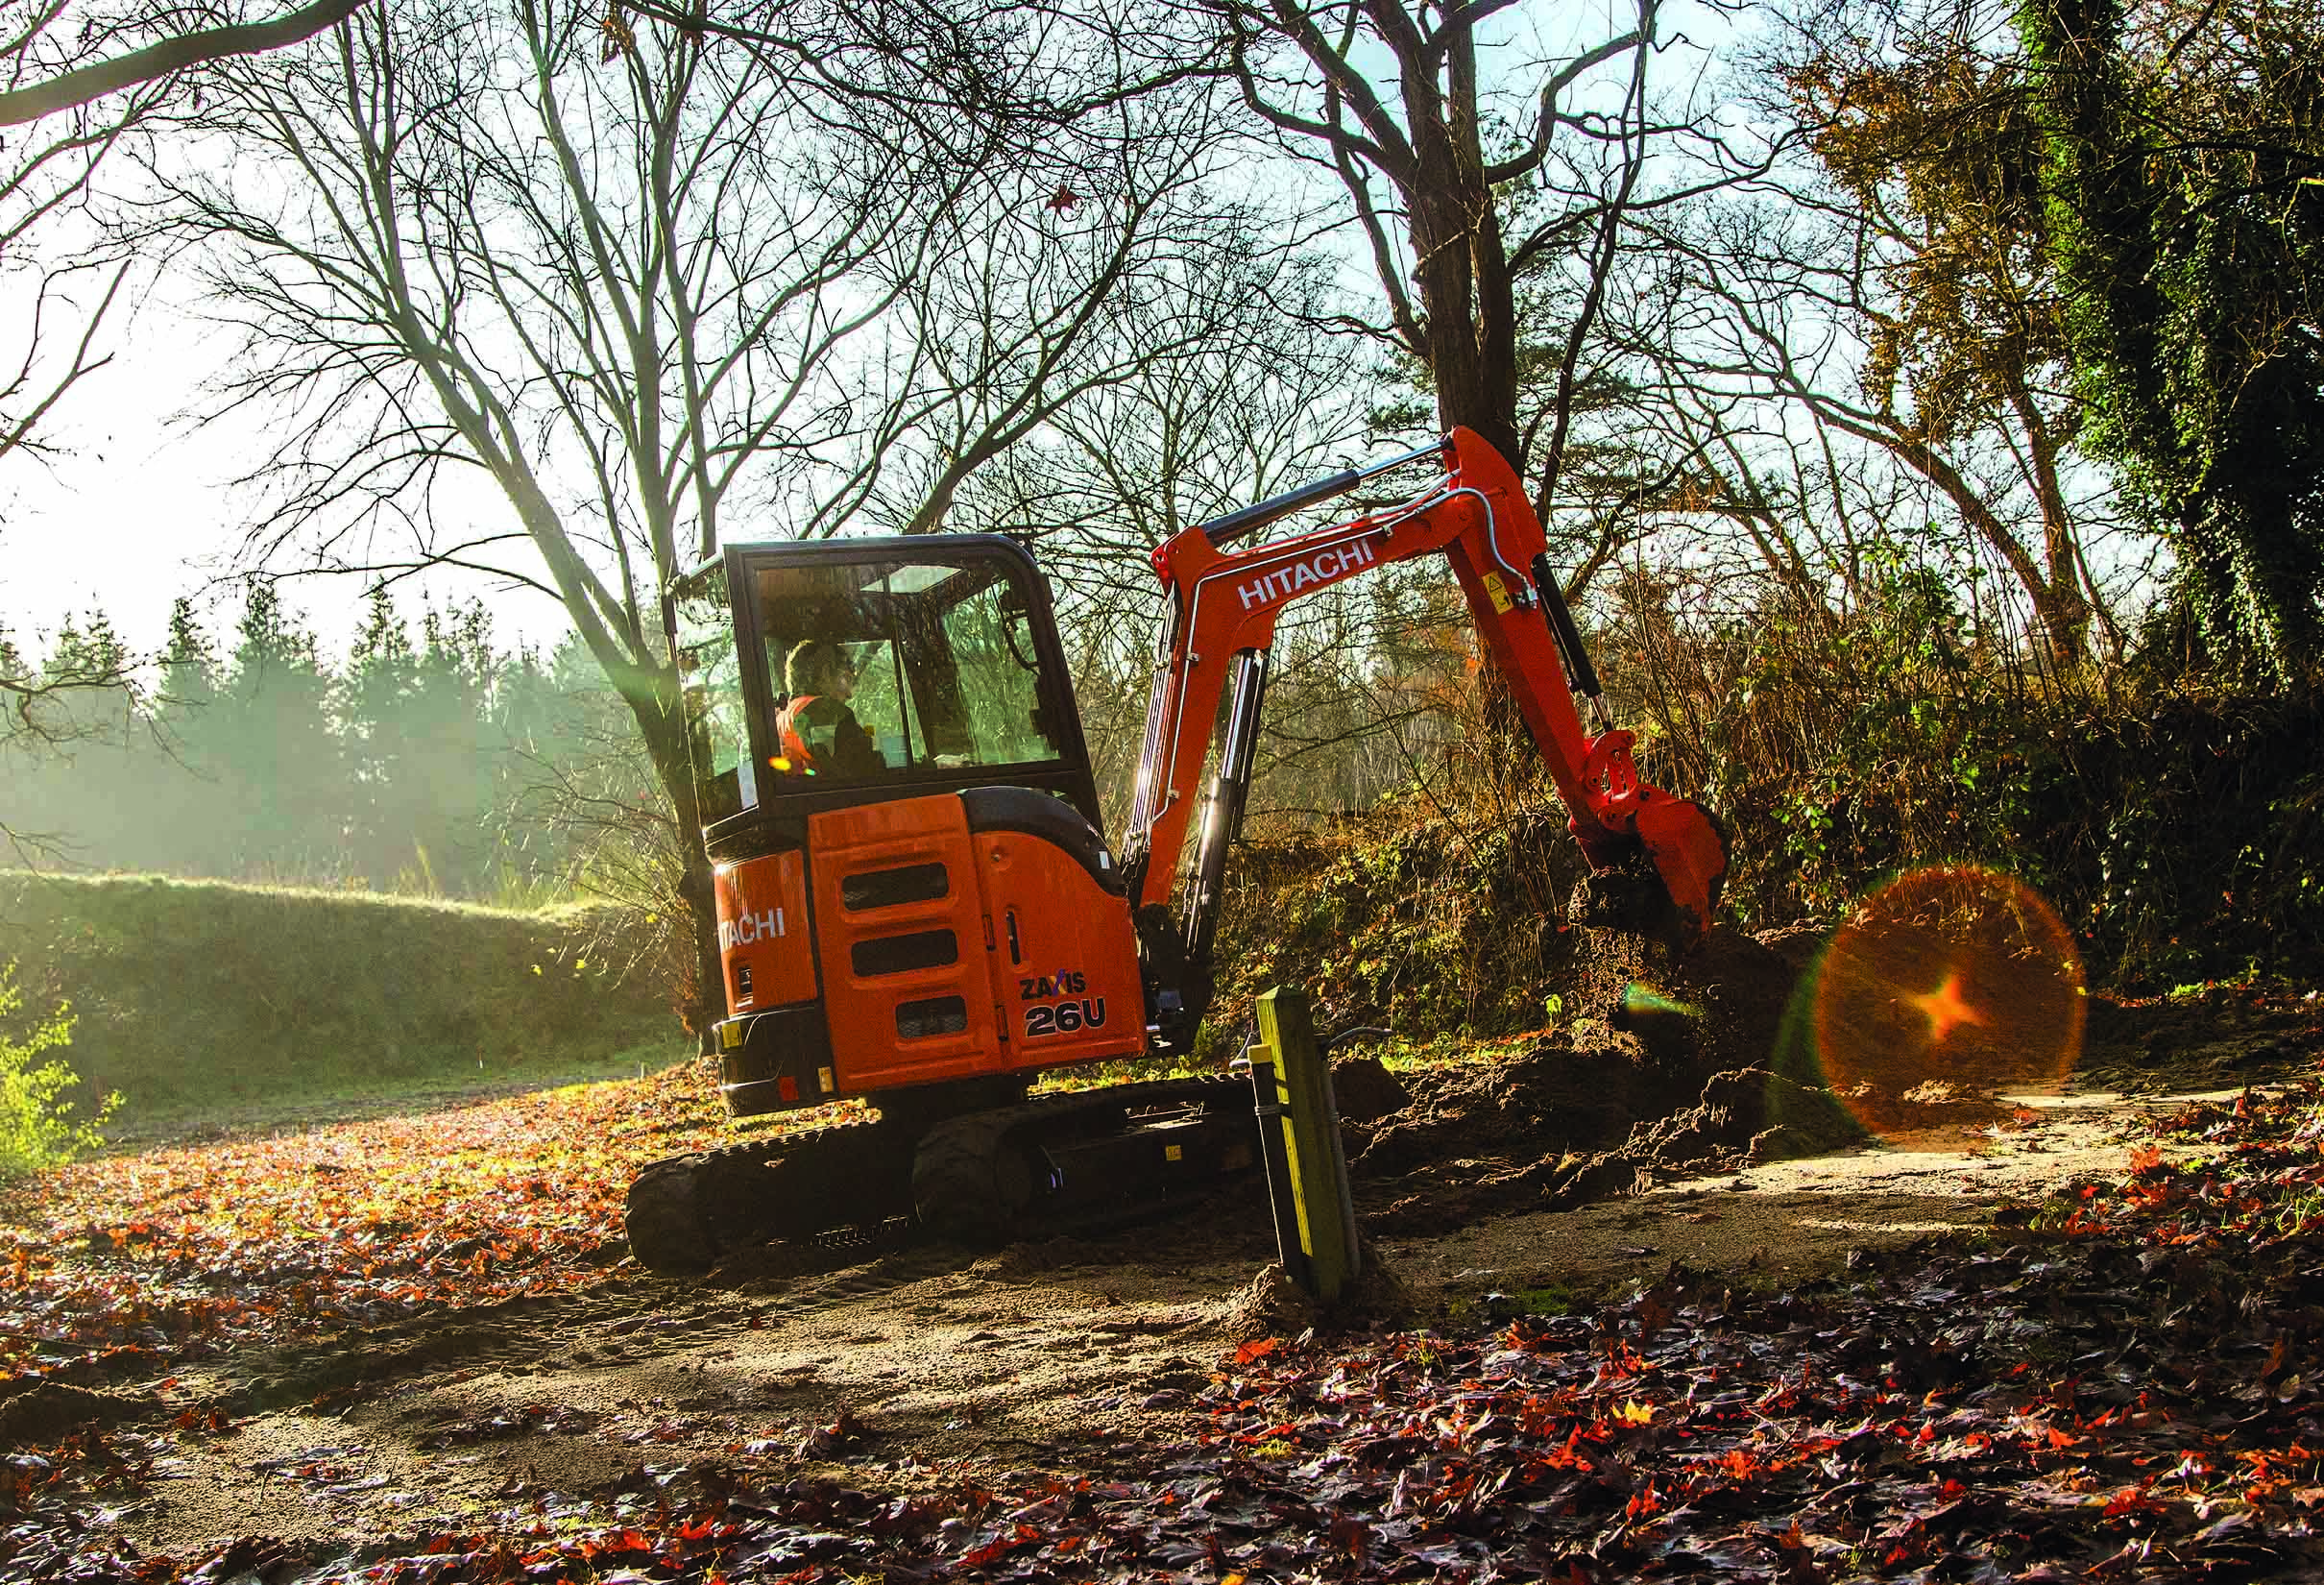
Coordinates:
x,y
1319,568
763,926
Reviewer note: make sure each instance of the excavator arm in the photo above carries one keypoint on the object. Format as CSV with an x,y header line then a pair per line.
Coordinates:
x,y
1223,608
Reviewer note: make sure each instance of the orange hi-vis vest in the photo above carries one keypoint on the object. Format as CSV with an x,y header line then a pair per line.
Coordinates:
x,y
794,742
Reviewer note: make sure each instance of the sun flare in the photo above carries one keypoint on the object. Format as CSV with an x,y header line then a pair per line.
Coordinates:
x,y
1944,1009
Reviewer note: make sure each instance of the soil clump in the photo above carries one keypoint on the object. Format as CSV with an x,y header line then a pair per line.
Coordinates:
x,y
1671,1068
1365,1091
34,1413
1271,1304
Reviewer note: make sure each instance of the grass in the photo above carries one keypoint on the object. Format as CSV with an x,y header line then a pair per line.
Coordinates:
x,y
203,1001
323,1103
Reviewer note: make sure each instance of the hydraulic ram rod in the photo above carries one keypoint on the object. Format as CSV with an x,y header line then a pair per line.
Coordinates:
x,y
1224,530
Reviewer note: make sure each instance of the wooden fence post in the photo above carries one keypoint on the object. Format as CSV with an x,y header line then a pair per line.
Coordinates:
x,y
1307,1174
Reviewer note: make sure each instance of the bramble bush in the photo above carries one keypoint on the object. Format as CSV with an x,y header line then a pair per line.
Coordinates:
x,y
38,1127
2173,813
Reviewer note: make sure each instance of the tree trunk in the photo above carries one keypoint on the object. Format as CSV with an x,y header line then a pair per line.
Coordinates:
x,y
1466,293
662,724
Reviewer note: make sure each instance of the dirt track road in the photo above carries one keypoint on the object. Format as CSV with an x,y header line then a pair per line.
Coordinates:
x,y
924,1364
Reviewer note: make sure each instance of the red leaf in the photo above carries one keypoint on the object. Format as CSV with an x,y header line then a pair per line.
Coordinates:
x,y
992,1552
1259,1350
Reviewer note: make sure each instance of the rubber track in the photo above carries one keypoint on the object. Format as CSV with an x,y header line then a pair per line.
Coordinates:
x,y
686,1211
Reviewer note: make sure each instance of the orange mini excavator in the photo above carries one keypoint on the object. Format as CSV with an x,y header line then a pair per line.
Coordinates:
x,y
917,903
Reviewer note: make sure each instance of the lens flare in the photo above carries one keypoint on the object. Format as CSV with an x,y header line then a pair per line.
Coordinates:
x,y
1644,1001
1948,987
1945,1010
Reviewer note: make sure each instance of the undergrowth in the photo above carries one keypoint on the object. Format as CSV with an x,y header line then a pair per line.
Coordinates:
x,y
1412,919
38,1125
2173,818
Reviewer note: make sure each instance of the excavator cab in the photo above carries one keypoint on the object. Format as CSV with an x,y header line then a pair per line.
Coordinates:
x,y
912,884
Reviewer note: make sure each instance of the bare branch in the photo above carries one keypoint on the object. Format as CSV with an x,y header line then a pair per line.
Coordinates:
x,y
83,85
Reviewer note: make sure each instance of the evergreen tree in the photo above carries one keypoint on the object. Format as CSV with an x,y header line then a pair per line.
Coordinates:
x,y
448,778
189,665
77,792
183,782
576,795
277,751
375,705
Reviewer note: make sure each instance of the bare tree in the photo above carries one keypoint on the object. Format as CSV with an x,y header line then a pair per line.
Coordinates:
x,y
46,77
1243,398
57,300
1476,166
649,288
1892,293
1050,289
79,84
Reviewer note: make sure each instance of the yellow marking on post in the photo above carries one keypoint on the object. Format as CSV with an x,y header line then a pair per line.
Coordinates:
x,y
1312,1151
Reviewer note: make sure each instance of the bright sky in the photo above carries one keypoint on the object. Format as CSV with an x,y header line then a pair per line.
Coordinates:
x,y
141,509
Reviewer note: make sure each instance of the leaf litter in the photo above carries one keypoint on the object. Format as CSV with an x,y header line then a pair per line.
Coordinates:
x,y
2117,1384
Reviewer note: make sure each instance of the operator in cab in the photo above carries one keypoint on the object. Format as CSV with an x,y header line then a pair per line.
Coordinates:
x,y
821,736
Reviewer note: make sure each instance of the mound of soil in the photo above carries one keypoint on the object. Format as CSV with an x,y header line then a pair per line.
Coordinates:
x,y
1676,1073
1272,1306
1365,1091
2223,1035
1735,1118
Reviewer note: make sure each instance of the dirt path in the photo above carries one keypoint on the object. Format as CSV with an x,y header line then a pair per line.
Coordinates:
x,y
923,1365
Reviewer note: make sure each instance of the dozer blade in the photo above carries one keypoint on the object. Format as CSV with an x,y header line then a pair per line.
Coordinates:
x,y
1092,1159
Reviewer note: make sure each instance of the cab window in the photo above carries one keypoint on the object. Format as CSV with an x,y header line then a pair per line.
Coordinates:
x,y
904,666
709,681
989,634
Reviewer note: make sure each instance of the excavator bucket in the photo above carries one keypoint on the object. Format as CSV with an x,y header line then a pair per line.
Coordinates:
x,y
1690,853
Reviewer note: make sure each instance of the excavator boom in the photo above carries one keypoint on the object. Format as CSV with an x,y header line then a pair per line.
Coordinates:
x,y
1225,605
